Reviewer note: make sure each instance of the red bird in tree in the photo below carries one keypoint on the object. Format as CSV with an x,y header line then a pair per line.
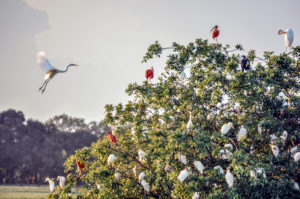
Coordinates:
x,y
215,33
80,165
149,75
111,137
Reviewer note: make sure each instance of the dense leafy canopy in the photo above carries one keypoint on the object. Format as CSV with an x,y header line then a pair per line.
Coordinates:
x,y
263,102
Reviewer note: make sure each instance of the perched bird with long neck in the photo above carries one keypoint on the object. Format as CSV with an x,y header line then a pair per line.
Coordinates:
x,y
288,37
51,184
49,69
215,33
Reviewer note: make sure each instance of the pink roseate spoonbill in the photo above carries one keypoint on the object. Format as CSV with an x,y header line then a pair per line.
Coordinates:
x,y
149,75
49,69
215,33
111,137
288,37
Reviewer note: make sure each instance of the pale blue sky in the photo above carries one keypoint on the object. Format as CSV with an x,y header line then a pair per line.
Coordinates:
x,y
108,39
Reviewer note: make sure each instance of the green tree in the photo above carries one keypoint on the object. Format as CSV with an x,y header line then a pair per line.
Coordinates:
x,y
262,105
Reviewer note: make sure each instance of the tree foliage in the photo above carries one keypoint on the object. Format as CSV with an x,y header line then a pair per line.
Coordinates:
x,y
31,150
264,101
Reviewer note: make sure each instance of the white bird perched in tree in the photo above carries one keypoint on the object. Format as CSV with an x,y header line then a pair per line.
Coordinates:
x,y
284,135
182,76
242,133
183,174
259,128
226,127
182,158
220,169
252,149
49,69
135,171
296,186
98,185
189,125
275,149
199,166
229,178
294,150
141,176
110,159
62,181
297,156
117,175
142,155
288,37
196,195
145,185
51,184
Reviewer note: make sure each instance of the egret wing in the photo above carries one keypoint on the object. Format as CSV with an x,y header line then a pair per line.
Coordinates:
x,y
43,62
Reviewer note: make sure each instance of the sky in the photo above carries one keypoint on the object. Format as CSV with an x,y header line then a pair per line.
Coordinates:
x,y
108,39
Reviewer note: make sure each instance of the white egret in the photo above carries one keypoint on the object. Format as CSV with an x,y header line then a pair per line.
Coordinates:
x,y
199,166
242,133
135,171
189,125
145,185
141,176
252,149
229,178
288,37
142,155
196,195
297,156
110,159
284,135
49,69
62,181
226,127
294,149
183,174
275,149
117,175
51,184
98,185
182,158
296,186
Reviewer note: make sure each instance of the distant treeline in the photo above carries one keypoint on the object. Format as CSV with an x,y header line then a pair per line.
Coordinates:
x,y
31,150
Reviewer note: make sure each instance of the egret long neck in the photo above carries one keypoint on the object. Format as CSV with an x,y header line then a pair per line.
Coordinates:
x,y
63,71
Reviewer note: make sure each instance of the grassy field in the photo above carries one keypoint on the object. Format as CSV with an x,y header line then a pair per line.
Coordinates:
x,y
28,192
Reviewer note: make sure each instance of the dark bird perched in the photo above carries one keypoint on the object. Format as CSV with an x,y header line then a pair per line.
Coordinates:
x,y
111,137
245,63
49,69
215,33
149,75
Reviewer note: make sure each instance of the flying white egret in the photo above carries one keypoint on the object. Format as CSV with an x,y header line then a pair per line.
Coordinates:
x,y
226,127
49,69
142,155
199,166
183,174
62,181
241,134
145,185
182,158
297,156
196,195
190,123
141,176
288,37
110,159
229,178
51,184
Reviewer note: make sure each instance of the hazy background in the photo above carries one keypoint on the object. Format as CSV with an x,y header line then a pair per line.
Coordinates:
x,y
108,39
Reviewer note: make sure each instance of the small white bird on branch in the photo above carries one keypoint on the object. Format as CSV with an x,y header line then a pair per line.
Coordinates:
x,y
242,133
51,184
182,158
145,185
226,127
229,178
183,174
142,155
199,166
111,159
